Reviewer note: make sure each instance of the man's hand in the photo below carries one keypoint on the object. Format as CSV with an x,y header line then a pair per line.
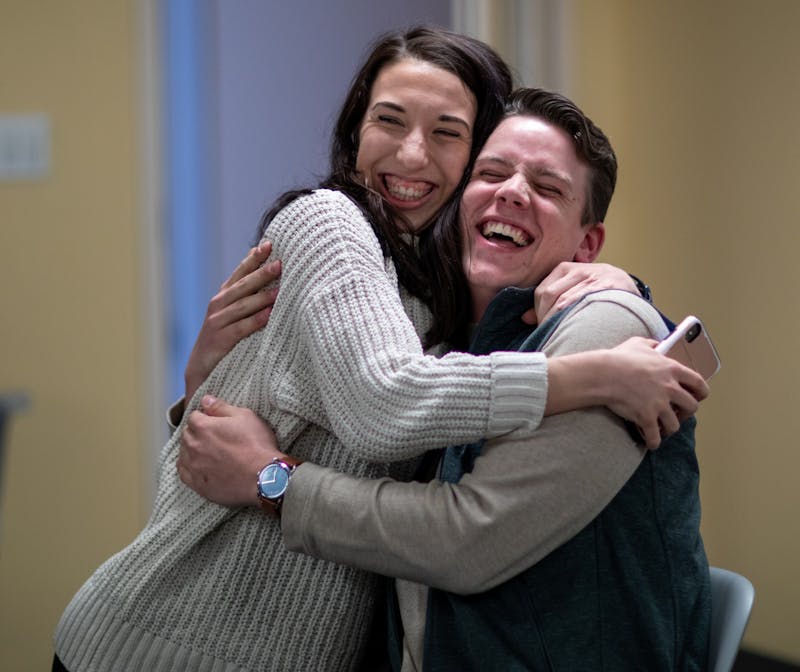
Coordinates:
x,y
223,447
571,280
241,307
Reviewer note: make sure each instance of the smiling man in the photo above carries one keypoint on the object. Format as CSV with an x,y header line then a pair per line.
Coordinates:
x,y
573,549
527,183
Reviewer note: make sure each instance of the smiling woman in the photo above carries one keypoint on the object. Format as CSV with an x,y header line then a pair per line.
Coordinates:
x,y
341,375
416,137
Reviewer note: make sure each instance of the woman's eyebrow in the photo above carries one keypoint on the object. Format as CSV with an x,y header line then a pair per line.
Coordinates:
x,y
446,118
390,105
449,118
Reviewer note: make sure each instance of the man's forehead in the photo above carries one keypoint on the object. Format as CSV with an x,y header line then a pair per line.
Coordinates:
x,y
538,149
535,169
524,138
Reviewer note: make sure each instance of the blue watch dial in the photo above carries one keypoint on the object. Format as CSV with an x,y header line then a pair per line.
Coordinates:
x,y
273,480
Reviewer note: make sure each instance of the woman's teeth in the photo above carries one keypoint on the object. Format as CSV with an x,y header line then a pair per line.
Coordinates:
x,y
407,191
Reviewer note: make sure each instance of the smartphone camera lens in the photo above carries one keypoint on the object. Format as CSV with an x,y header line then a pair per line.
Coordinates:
x,y
694,332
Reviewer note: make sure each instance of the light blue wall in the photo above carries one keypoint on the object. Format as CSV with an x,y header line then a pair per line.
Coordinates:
x,y
253,88
284,68
191,192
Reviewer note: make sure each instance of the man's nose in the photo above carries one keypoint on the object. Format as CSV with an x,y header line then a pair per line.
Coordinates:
x,y
413,151
515,191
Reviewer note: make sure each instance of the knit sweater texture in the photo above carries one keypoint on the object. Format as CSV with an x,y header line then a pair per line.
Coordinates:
x,y
340,375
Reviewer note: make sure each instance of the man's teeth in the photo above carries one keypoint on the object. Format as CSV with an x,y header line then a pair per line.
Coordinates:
x,y
500,230
407,192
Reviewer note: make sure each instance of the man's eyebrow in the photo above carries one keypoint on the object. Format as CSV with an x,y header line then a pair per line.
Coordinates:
x,y
554,174
562,177
494,158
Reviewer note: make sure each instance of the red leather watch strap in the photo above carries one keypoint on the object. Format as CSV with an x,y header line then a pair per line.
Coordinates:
x,y
274,507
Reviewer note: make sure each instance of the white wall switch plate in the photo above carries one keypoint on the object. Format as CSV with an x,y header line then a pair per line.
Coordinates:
x,y
24,146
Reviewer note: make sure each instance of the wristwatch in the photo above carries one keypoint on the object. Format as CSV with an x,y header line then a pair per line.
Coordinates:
x,y
273,480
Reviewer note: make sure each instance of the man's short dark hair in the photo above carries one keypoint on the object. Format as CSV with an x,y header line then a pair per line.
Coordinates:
x,y
591,144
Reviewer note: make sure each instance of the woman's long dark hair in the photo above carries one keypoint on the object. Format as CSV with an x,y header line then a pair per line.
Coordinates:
x,y
433,272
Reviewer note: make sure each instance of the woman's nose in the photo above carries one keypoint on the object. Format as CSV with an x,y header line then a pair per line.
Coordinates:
x,y
413,151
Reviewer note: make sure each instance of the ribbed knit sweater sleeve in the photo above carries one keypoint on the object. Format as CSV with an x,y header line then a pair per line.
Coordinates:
x,y
524,498
380,394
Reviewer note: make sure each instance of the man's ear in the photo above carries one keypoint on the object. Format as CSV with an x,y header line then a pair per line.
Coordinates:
x,y
592,243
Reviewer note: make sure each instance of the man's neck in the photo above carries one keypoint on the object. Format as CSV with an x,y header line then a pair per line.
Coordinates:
x,y
481,298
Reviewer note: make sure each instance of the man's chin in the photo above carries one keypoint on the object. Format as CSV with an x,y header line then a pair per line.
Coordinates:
x,y
487,279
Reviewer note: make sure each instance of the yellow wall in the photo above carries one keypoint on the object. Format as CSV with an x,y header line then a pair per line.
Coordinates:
x,y
702,101
69,259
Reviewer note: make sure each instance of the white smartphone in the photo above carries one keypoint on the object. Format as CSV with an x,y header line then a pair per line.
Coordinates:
x,y
691,345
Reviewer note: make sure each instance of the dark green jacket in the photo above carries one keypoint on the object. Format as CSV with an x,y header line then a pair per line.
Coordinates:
x,y
629,592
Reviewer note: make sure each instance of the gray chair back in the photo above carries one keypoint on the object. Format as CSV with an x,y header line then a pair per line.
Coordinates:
x,y
731,603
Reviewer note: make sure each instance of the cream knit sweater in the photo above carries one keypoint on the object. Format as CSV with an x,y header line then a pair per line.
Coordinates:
x,y
340,375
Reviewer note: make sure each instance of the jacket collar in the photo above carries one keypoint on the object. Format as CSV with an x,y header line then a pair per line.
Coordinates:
x,y
501,327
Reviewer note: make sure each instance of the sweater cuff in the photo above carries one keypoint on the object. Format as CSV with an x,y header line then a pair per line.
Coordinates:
x,y
520,392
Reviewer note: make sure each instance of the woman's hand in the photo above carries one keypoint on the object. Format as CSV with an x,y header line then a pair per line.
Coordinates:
x,y
652,390
223,447
569,281
241,307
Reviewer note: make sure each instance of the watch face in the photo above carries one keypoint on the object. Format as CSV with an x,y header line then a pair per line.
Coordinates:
x,y
272,481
